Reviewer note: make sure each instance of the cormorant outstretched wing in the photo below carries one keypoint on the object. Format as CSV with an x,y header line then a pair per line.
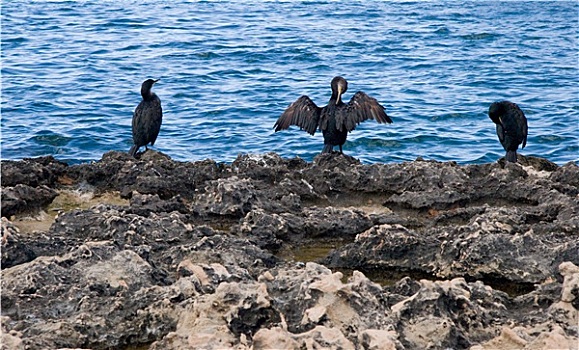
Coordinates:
x,y
361,107
303,113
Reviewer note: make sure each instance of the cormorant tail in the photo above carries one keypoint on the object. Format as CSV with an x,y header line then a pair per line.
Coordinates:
x,y
133,150
328,148
511,156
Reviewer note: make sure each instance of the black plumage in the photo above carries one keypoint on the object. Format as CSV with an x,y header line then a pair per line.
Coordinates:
x,y
147,118
334,120
511,127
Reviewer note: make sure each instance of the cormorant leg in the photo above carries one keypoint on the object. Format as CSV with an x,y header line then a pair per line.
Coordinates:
x,y
328,148
341,150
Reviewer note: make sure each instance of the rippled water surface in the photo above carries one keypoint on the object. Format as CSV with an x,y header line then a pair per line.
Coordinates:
x,y
71,75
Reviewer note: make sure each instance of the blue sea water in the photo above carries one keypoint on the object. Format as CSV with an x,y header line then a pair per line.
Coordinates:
x,y
71,75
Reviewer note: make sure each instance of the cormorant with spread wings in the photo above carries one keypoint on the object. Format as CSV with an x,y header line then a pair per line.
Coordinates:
x,y
336,119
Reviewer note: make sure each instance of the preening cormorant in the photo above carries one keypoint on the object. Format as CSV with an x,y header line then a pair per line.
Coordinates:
x,y
511,127
147,118
336,119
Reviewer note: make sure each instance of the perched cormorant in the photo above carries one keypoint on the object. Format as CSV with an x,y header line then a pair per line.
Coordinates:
x,y
336,119
147,118
511,127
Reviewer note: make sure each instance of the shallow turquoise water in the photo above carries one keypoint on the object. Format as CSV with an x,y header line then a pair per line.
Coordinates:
x,y
71,74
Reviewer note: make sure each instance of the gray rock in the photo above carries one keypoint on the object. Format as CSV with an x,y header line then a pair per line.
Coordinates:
x,y
23,198
228,197
14,250
32,172
478,256
448,314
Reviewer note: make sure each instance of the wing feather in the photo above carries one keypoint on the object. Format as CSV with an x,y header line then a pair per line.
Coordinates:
x,y
522,125
303,113
520,128
360,108
156,124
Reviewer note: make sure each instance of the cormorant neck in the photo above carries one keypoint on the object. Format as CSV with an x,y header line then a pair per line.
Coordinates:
x,y
147,95
335,99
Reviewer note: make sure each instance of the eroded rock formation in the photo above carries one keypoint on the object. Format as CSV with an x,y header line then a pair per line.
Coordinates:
x,y
269,253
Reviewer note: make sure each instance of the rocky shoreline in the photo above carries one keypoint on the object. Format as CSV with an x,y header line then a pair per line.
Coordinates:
x,y
273,253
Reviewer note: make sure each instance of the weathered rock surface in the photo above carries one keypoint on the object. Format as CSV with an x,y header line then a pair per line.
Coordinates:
x,y
21,198
195,257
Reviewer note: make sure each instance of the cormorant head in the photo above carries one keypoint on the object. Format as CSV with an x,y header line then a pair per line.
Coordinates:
x,y
147,86
496,110
339,86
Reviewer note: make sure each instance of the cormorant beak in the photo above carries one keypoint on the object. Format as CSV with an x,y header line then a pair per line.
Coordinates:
x,y
154,81
339,92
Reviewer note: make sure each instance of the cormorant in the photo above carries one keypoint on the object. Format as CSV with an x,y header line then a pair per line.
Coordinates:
x,y
511,127
336,119
147,118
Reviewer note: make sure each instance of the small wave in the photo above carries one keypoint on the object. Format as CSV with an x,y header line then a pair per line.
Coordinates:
x,y
49,138
207,55
353,44
479,36
130,48
99,52
442,31
452,116
14,40
553,139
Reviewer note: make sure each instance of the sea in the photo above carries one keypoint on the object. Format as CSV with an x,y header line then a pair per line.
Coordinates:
x,y
71,73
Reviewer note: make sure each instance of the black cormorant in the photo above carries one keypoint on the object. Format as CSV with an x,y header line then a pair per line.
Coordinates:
x,y
147,118
336,119
511,127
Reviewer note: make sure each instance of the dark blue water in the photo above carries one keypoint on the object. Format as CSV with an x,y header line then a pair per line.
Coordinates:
x,y
71,75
